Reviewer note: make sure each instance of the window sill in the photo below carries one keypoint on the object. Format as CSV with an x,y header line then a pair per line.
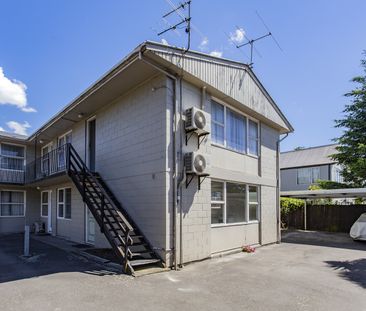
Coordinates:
x,y
235,151
62,218
44,216
12,216
235,224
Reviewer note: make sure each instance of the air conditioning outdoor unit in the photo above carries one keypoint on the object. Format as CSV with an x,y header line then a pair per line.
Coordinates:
x,y
196,163
197,120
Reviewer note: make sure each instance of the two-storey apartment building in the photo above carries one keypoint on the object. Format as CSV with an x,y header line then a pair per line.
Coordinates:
x,y
171,156
303,167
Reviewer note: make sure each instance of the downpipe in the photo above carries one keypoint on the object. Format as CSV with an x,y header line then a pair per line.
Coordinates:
x,y
174,154
278,185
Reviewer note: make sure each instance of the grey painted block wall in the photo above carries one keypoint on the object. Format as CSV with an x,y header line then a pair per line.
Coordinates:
x,y
200,240
131,155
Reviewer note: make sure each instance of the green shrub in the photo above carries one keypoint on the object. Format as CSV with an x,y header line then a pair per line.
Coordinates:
x,y
328,184
289,204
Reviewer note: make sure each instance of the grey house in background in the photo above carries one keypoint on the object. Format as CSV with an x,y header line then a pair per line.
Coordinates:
x,y
171,157
302,168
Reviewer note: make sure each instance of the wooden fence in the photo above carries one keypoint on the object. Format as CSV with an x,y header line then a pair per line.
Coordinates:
x,y
331,218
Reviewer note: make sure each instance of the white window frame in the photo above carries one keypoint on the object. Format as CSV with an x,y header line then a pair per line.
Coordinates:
x,y
13,157
62,136
25,204
48,203
60,152
246,204
43,158
223,202
63,203
251,203
311,169
247,117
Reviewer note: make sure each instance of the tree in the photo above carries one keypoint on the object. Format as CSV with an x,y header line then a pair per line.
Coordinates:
x,y
352,143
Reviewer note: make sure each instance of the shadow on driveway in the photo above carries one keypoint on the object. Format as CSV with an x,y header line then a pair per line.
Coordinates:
x,y
354,270
46,260
326,239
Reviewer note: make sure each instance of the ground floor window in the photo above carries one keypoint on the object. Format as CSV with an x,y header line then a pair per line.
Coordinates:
x,y
12,203
64,203
233,202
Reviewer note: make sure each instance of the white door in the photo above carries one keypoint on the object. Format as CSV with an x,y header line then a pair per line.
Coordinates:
x,y
90,227
46,208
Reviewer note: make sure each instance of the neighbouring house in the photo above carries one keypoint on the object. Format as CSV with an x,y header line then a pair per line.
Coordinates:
x,y
171,157
303,167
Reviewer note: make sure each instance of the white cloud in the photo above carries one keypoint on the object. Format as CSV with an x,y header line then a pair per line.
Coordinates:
x,y
2,129
13,92
165,42
203,44
216,53
237,36
18,128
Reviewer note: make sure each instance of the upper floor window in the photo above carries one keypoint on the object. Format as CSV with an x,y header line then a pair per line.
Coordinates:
x,y
12,157
233,130
64,139
337,174
308,175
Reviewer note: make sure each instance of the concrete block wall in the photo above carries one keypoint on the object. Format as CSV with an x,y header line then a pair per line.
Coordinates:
x,y
200,240
196,204
131,153
269,138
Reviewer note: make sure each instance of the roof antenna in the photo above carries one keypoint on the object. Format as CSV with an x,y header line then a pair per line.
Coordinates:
x,y
251,42
184,20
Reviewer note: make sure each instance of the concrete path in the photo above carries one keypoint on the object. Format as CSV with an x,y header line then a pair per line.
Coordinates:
x,y
306,272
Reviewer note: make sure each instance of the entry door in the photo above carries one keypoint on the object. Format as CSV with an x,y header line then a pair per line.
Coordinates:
x,y
91,144
90,227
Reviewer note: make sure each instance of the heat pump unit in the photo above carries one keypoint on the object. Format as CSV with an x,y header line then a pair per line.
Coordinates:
x,y
197,120
196,163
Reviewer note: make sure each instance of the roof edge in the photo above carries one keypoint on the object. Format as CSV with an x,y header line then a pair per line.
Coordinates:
x,y
309,148
151,44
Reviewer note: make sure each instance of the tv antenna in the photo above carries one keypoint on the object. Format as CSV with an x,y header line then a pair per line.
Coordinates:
x,y
251,42
184,20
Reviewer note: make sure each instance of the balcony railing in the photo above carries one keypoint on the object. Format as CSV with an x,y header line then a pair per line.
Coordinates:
x,y
49,164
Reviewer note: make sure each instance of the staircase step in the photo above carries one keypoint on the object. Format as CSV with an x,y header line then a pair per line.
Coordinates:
x,y
142,262
142,253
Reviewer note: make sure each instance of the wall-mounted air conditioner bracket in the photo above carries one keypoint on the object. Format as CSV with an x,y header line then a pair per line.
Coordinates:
x,y
200,140
201,178
189,135
200,137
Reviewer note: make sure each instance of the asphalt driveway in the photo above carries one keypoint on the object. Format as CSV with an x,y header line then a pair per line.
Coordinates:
x,y
308,271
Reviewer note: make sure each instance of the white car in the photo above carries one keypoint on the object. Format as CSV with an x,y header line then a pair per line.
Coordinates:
x,y
358,229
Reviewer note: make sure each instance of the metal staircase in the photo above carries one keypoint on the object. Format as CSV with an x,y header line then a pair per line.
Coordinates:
x,y
127,241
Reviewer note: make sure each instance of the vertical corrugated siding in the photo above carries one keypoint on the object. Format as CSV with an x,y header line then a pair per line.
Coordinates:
x,y
232,81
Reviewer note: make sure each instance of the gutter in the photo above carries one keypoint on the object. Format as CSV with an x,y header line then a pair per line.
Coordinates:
x,y
278,175
125,63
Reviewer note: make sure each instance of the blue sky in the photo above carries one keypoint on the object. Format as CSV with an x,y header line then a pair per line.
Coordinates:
x,y
58,48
